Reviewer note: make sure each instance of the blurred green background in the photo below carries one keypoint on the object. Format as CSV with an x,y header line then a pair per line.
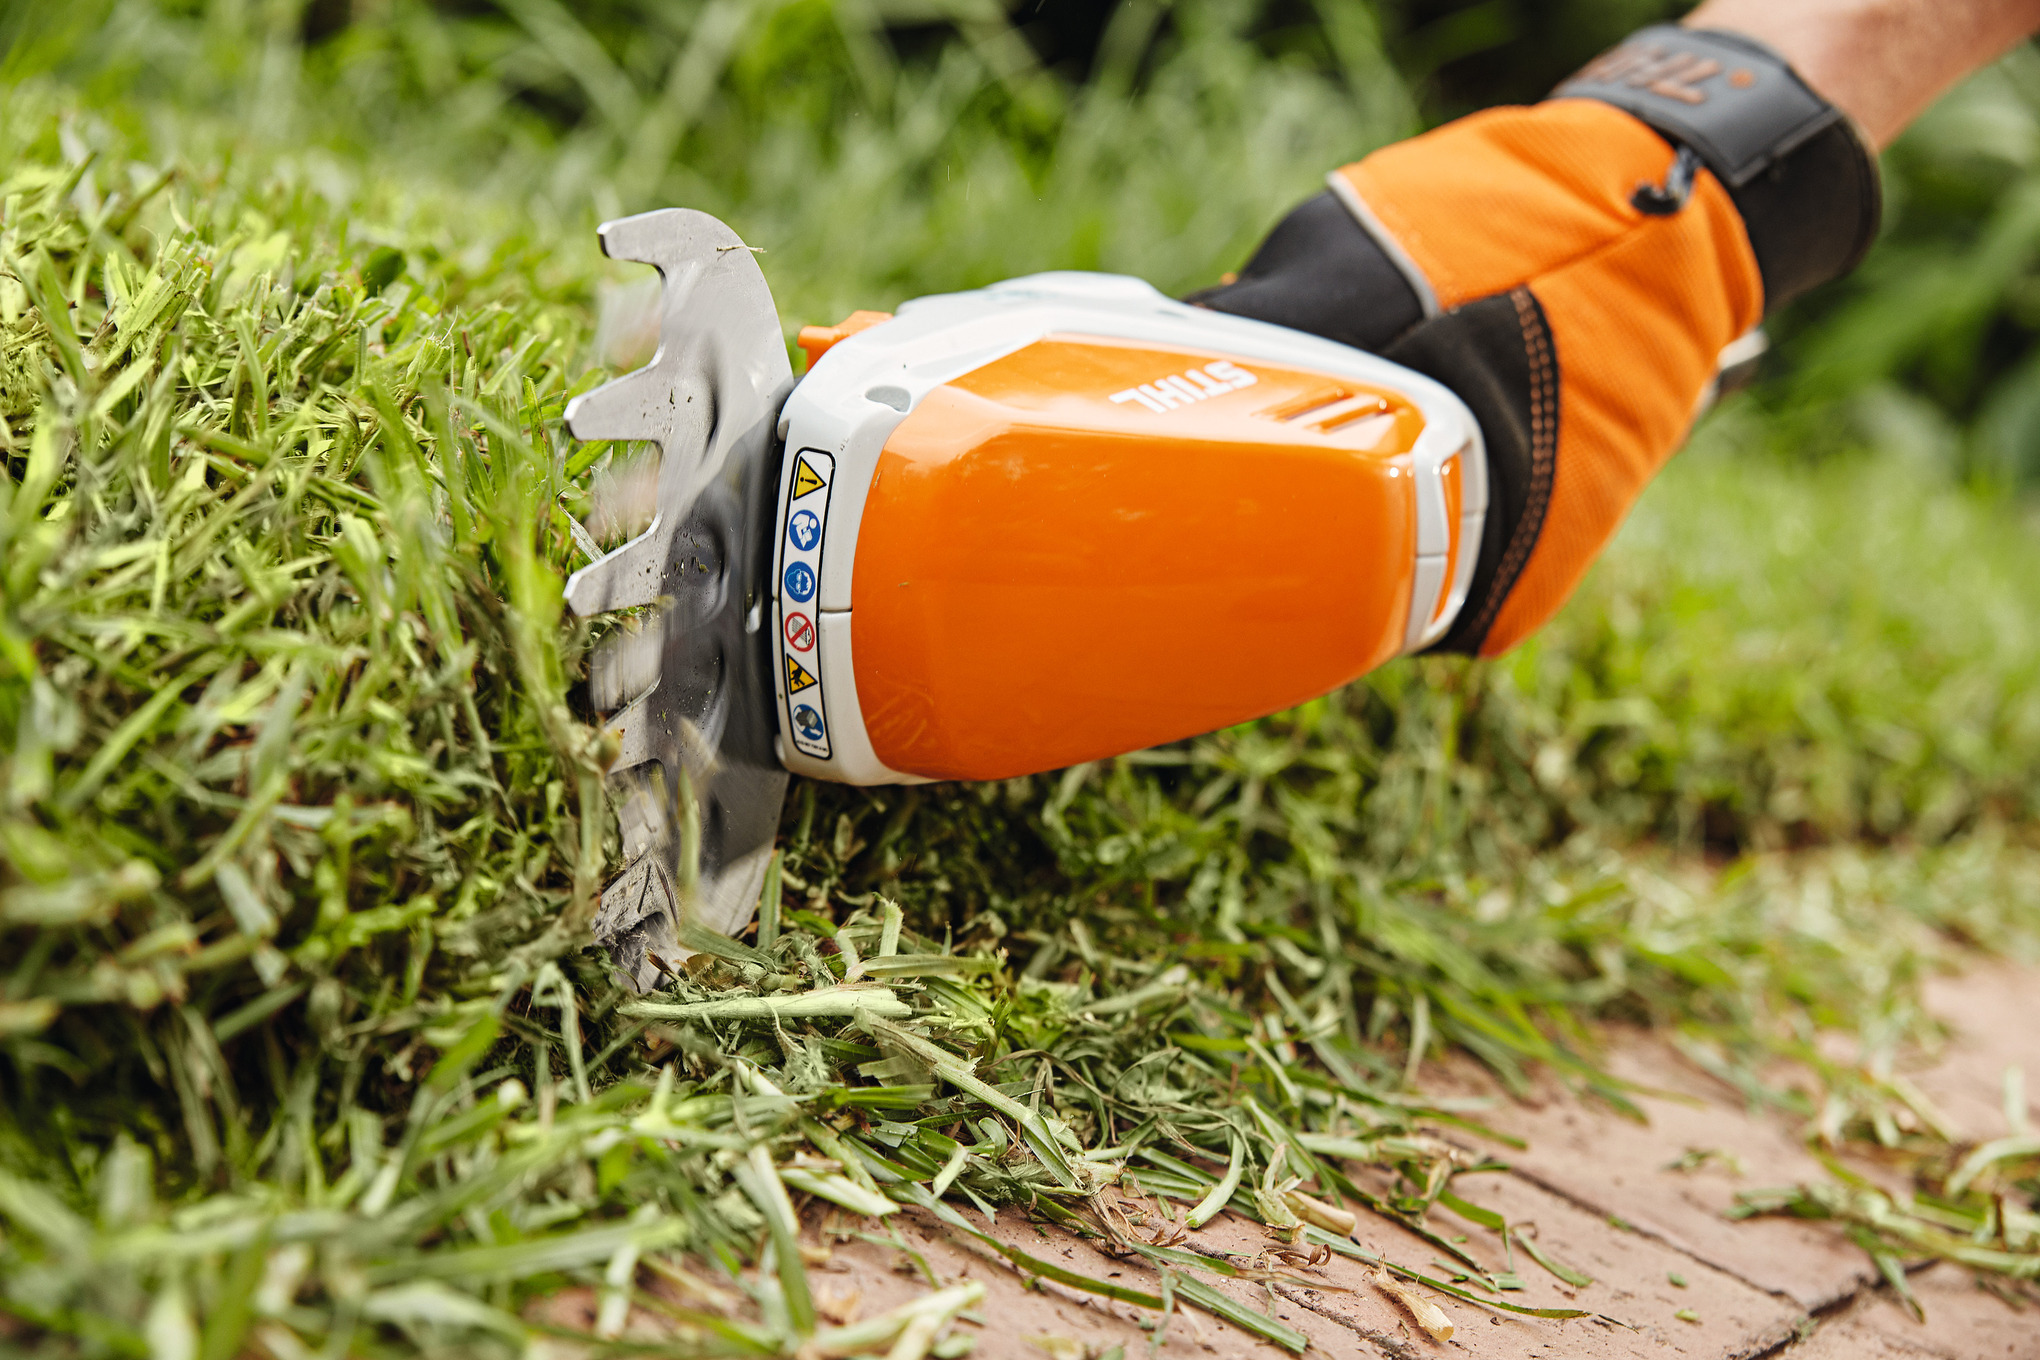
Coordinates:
x,y
1818,624
880,148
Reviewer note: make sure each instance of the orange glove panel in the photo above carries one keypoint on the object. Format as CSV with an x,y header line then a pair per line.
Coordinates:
x,y
1637,306
1502,196
1574,271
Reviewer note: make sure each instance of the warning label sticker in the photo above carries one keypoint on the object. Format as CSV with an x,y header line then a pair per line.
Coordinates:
x,y
801,541
807,722
804,530
806,481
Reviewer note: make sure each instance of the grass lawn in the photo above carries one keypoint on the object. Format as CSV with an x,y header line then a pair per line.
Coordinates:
x,y
302,1045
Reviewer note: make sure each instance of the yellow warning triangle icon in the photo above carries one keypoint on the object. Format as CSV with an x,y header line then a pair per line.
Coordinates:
x,y
797,677
805,478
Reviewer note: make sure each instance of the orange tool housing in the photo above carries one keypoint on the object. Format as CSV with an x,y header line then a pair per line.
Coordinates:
x,y
1130,523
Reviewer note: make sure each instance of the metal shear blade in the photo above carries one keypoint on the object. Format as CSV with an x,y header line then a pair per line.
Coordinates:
x,y
699,785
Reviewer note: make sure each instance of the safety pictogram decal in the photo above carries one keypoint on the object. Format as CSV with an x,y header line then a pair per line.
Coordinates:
x,y
805,479
804,530
801,581
808,723
801,537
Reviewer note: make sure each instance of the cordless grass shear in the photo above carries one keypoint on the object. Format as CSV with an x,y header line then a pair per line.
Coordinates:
x,y
1066,517
1003,531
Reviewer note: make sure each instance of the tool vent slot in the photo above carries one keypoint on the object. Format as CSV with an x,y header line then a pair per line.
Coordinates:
x,y
1329,409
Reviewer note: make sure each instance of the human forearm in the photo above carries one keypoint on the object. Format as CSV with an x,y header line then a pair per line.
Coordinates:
x,y
1881,61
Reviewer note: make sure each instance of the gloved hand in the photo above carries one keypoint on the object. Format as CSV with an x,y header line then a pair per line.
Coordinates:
x,y
1574,270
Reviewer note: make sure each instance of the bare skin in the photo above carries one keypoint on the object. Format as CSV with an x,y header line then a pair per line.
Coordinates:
x,y
1880,61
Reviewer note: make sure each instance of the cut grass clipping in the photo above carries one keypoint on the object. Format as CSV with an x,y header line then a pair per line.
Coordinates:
x,y
304,1047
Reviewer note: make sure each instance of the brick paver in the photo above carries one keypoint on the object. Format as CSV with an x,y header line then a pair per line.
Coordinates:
x,y
1762,1288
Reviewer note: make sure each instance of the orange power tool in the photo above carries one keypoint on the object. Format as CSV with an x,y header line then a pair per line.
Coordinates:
x,y
1057,519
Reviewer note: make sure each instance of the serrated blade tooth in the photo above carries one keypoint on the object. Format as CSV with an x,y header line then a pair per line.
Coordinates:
x,y
636,920
624,667
661,237
638,795
636,727
626,579
728,900
640,405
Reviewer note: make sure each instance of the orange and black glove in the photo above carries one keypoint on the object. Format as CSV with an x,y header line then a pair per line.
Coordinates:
x,y
1575,271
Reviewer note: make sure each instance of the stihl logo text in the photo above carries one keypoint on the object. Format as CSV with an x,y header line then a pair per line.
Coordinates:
x,y
1189,387
1675,75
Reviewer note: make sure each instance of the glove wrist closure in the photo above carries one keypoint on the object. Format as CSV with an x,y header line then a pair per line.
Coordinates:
x,y
1798,170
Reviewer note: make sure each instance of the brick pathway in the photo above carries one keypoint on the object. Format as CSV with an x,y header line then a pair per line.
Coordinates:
x,y
1762,1288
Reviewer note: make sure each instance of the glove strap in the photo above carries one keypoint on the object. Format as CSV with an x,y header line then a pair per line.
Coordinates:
x,y
1799,172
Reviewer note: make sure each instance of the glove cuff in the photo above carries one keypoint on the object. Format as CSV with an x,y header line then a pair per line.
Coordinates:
x,y
1799,172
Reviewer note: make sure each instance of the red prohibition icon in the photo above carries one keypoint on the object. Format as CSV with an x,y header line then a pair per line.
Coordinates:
x,y
800,632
